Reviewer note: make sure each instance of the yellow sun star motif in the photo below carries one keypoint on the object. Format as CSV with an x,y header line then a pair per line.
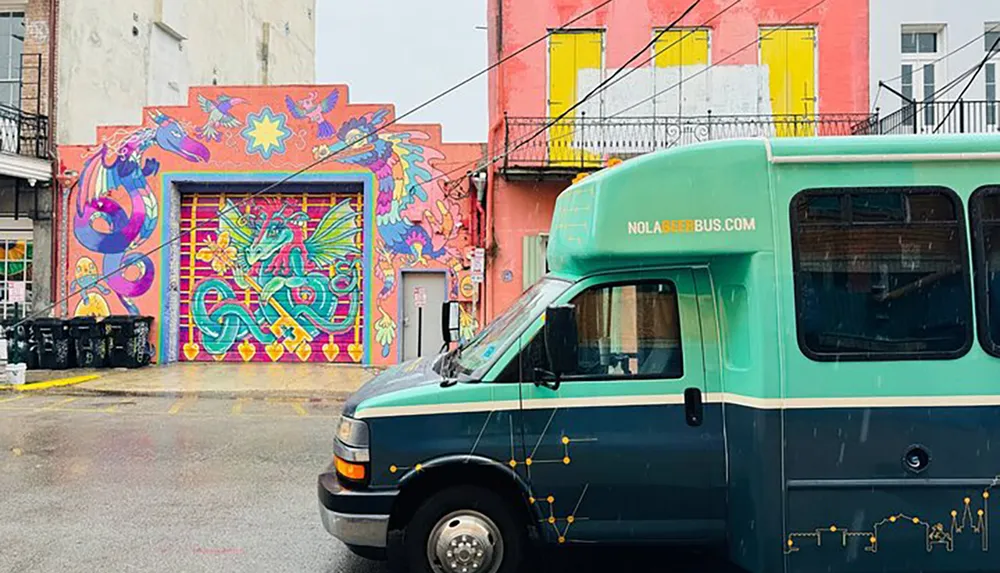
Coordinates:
x,y
265,133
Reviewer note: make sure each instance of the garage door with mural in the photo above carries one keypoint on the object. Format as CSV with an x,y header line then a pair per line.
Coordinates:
x,y
272,278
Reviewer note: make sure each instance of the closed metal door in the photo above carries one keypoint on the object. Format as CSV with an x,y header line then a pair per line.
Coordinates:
x,y
422,324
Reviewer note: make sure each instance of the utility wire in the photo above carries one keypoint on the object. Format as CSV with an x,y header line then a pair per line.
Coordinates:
x,y
994,28
526,140
989,55
485,161
321,160
725,59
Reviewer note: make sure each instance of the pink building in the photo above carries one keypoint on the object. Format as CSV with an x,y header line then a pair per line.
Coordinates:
x,y
728,69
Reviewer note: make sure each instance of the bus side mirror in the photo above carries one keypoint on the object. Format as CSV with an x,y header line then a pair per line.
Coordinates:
x,y
450,315
561,341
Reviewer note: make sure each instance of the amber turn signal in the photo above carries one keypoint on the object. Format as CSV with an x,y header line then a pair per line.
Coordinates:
x,y
351,471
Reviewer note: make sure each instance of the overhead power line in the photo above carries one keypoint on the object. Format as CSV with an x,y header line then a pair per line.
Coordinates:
x,y
321,160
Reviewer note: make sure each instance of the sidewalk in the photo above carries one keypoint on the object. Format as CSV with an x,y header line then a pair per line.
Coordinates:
x,y
219,380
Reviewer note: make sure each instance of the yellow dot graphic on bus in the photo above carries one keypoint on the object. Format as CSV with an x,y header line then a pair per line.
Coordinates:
x,y
833,528
527,462
570,519
954,513
565,440
551,499
418,467
531,500
967,501
790,543
393,469
566,460
872,539
916,520
980,512
562,539
893,519
552,520
986,495
513,463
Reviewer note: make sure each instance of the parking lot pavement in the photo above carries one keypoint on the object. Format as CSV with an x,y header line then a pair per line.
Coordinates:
x,y
110,483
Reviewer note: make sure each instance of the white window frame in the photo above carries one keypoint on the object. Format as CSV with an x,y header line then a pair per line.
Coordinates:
x,y
992,67
926,116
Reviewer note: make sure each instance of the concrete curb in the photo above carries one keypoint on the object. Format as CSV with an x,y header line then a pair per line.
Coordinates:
x,y
336,395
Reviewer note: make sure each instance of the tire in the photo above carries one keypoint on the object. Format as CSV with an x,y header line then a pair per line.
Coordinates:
x,y
473,519
369,553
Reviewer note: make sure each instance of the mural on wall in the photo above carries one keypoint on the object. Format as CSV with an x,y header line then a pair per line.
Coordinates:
x,y
271,277
116,213
290,275
401,165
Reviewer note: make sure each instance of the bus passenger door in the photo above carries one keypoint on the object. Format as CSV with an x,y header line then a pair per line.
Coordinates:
x,y
627,449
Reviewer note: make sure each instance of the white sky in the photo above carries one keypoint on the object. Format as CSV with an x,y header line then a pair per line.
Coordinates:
x,y
404,52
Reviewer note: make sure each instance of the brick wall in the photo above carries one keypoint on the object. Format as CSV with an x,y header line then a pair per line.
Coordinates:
x,y
38,32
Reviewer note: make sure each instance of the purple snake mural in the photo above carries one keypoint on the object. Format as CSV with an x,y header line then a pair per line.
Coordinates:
x,y
113,232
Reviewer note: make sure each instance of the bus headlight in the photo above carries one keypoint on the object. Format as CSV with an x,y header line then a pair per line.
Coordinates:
x,y
353,433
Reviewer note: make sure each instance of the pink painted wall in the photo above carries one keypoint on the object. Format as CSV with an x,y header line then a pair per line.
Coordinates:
x,y
326,262
520,86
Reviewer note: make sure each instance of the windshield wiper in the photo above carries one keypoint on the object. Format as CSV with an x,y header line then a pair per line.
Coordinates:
x,y
462,378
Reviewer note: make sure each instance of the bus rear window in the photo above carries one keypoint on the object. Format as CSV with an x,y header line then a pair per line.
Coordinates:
x,y
984,211
882,274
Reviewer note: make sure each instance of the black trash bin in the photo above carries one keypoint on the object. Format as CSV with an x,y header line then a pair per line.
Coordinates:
x,y
52,343
128,341
89,344
20,348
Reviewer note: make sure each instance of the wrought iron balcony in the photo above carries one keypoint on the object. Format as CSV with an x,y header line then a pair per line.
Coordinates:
x,y
23,133
583,143
961,116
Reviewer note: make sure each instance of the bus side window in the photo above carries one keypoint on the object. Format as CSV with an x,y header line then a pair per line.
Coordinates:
x,y
984,208
881,274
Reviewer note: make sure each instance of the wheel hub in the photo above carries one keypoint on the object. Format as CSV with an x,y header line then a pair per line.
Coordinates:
x,y
465,542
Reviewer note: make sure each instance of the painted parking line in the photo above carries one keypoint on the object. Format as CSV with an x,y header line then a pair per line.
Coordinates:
x,y
14,399
181,404
238,406
59,404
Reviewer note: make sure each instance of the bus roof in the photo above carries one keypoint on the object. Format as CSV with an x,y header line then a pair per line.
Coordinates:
x,y
711,199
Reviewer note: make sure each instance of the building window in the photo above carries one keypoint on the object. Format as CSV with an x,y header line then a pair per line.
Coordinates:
x,y
15,277
11,48
991,95
919,42
881,274
928,94
534,257
992,38
921,46
992,47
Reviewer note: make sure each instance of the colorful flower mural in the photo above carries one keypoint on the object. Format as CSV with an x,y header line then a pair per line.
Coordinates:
x,y
291,274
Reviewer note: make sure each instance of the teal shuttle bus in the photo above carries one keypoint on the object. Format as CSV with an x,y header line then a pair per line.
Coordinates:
x,y
788,349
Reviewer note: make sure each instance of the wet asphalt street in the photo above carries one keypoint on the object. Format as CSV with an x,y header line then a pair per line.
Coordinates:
x,y
160,484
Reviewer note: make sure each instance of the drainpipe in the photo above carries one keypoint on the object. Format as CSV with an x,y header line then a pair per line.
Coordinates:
x,y
54,187
492,151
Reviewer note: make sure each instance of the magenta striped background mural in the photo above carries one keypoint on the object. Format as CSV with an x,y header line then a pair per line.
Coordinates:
x,y
275,278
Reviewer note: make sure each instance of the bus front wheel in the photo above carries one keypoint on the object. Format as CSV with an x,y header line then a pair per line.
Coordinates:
x,y
464,529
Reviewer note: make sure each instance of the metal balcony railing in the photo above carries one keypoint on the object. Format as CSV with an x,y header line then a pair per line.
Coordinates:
x,y
586,143
23,133
967,116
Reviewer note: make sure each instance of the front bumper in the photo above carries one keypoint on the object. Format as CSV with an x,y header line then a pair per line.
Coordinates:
x,y
359,518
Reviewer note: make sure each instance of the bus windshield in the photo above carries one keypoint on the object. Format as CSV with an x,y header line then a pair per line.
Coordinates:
x,y
480,350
